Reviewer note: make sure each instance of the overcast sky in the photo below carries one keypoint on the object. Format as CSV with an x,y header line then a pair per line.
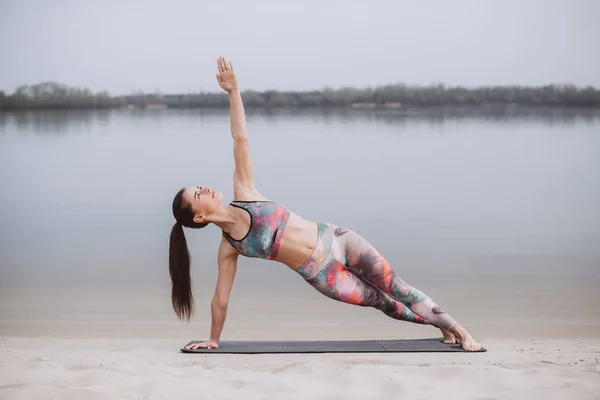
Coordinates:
x,y
128,45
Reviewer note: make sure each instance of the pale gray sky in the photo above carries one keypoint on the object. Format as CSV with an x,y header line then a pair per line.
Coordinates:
x,y
128,45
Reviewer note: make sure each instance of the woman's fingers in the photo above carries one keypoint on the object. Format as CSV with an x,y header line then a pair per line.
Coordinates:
x,y
202,345
224,65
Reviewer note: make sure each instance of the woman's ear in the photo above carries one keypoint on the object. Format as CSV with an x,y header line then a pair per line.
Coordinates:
x,y
199,218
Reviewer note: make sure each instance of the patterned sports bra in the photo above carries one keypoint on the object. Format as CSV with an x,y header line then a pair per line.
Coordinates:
x,y
267,222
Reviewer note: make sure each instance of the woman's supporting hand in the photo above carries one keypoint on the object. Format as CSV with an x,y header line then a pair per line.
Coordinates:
x,y
209,344
226,76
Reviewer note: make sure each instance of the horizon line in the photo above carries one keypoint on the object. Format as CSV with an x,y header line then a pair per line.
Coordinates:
x,y
322,89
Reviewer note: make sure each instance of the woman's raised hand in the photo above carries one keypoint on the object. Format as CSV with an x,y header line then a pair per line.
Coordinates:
x,y
226,76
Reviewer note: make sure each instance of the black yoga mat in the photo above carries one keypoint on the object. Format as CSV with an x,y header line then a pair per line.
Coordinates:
x,y
331,346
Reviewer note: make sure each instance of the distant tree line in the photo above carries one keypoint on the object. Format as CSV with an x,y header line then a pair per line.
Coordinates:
x,y
56,95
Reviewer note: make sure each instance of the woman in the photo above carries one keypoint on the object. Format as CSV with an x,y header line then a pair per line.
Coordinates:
x,y
336,261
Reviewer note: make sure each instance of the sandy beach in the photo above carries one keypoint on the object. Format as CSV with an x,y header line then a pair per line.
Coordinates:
x,y
50,350
61,368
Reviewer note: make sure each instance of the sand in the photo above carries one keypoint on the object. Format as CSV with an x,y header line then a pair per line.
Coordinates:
x,y
77,368
125,345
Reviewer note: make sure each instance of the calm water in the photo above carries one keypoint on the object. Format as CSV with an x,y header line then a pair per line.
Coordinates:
x,y
85,197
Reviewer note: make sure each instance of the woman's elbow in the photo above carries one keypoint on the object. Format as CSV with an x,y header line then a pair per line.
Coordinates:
x,y
240,137
220,303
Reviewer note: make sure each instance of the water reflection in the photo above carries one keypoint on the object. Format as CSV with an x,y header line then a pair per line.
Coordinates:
x,y
64,122
3,123
55,122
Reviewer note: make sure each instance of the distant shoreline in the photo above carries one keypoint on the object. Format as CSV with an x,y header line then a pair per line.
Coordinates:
x,y
397,97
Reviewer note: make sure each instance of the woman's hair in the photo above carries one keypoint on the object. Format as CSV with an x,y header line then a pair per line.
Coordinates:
x,y
179,258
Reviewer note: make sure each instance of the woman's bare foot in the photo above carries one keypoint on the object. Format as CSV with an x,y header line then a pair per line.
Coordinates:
x,y
465,339
449,338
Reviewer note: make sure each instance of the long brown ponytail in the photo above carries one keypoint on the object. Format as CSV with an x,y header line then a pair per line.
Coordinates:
x,y
179,259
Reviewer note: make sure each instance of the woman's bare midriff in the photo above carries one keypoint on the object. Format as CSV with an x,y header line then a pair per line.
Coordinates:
x,y
297,242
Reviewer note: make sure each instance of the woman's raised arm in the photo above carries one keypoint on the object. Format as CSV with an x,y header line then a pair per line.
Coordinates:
x,y
243,181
